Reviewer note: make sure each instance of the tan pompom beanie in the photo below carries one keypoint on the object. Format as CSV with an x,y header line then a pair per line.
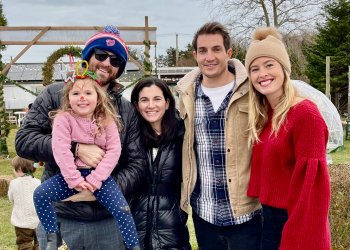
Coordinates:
x,y
268,42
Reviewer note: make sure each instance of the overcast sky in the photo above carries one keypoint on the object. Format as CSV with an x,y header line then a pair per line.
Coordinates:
x,y
182,17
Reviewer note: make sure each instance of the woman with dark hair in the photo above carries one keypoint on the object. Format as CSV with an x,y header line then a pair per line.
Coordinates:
x,y
160,222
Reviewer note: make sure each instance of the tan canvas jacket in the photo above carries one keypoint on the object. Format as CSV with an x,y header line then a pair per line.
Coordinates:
x,y
236,137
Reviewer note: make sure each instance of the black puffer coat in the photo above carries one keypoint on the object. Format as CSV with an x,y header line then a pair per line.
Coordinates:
x,y
160,222
33,141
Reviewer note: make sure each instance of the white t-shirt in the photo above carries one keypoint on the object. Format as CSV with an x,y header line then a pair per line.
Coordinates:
x,y
218,94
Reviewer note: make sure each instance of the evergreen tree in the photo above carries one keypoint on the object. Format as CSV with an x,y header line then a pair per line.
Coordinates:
x,y
170,58
4,127
333,39
185,58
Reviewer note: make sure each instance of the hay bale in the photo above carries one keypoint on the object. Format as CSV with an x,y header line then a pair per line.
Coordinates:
x,y
4,184
339,214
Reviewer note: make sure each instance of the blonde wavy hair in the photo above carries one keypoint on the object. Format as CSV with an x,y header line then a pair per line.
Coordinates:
x,y
104,112
258,109
267,42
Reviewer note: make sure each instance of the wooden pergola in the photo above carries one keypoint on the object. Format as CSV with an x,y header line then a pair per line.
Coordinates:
x,y
75,35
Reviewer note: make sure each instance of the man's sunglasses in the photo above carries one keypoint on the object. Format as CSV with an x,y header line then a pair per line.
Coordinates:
x,y
102,55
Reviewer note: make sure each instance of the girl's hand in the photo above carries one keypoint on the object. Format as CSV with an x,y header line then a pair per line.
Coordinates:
x,y
95,188
85,185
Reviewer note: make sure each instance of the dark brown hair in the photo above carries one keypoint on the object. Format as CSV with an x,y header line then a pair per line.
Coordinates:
x,y
149,137
213,28
24,165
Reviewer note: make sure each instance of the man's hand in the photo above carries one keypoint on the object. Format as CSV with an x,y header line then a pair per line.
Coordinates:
x,y
90,154
84,195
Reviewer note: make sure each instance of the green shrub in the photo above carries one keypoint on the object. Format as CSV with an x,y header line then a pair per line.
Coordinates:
x,y
339,214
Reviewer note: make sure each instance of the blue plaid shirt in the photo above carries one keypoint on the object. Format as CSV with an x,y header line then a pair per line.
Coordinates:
x,y
210,198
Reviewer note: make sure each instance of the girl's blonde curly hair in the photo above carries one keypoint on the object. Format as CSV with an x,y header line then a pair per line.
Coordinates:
x,y
104,112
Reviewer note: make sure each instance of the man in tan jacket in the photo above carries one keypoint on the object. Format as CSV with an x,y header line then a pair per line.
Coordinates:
x,y
216,157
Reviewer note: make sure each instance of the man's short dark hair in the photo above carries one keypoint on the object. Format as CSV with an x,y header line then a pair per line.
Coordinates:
x,y
213,28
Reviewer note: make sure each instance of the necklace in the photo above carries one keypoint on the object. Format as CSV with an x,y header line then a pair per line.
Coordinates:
x,y
157,132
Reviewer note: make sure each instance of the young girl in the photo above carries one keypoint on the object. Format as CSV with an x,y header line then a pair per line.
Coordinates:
x,y
20,193
288,169
86,116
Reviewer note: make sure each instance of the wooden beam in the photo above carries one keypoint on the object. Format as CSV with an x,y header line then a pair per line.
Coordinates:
x,y
348,118
328,84
147,38
20,28
43,29
61,43
8,41
137,64
7,67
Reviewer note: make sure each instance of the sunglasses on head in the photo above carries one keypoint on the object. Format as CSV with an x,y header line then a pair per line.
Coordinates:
x,y
102,55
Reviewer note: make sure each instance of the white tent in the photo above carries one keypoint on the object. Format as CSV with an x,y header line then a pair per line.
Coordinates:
x,y
328,111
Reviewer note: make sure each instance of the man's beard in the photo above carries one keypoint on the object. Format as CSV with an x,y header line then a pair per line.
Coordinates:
x,y
102,78
104,81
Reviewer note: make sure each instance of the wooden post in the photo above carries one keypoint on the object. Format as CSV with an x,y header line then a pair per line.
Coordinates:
x,y
328,86
147,40
177,51
349,94
347,127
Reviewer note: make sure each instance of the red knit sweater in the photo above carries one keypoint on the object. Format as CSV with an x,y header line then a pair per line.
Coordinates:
x,y
290,172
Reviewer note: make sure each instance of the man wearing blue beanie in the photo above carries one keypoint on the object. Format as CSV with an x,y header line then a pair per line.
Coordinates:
x,y
84,223
108,40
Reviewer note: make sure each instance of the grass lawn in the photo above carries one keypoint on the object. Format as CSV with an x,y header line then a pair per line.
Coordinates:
x,y
7,235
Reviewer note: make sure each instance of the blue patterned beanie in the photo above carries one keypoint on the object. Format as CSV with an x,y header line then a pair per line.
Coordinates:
x,y
108,40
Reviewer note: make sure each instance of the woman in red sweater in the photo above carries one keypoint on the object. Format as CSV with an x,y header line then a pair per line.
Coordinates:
x,y
288,134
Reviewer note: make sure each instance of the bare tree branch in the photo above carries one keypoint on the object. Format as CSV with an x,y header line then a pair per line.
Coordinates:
x,y
243,16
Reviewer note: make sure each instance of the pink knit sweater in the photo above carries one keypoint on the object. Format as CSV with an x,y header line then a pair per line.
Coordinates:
x,y
68,128
290,172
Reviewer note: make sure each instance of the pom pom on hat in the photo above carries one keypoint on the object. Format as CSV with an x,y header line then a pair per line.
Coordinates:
x,y
268,42
111,29
108,40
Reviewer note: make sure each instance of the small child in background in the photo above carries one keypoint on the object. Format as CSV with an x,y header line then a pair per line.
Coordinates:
x,y
20,193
